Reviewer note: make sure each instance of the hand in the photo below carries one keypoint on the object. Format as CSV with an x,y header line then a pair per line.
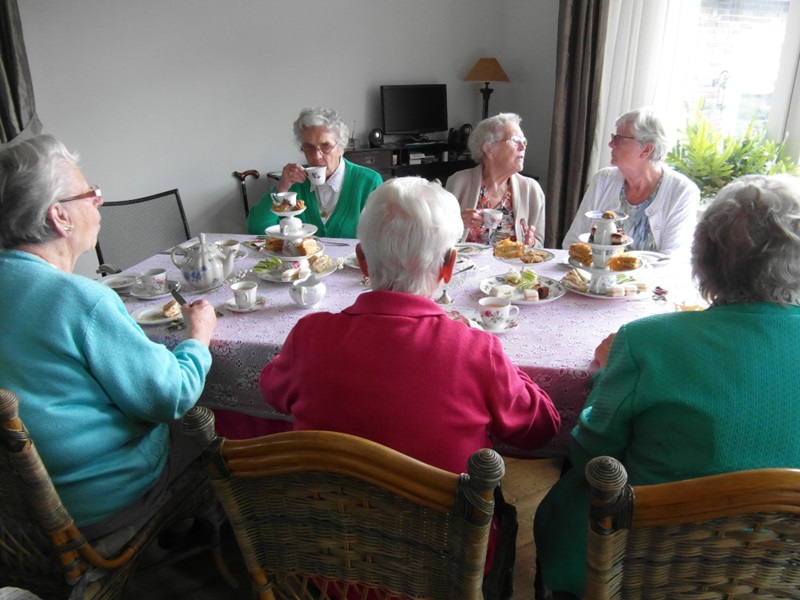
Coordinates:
x,y
601,352
528,232
292,173
471,218
201,318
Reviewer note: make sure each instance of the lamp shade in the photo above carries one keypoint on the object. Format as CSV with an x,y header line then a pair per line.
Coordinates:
x,y
487,69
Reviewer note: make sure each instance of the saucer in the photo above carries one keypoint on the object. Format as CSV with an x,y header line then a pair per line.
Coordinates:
x,y
510,325
230,304
351,261
138,291
120,283
289,213
153,315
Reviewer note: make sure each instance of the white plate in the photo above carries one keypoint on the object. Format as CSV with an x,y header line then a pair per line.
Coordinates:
x,y
290,213
468,248
584,237
475,320
307,230
291,257
557,289
230,304
152,315
518,261
351,261
240,254
138,292
654,259
120,282
598,214
572,262
588,294
275,274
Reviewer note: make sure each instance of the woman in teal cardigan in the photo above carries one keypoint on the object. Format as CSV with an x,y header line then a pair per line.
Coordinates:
x,y
687,394
334,207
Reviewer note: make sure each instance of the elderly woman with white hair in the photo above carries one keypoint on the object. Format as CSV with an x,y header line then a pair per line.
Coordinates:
x,y
394,367
661,203
682,395
498,146
335,206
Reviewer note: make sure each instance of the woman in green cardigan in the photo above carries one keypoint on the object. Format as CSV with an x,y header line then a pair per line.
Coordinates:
x,y
335,206
686,394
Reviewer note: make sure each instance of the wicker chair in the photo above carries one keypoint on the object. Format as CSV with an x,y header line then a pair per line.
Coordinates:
x,y
41,549
735,535
323,515
134,230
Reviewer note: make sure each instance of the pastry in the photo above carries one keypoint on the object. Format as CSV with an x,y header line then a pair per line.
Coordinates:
x,y
273,244
609,214
171,309
577,280
308,246
513,277
300,205
617,238
624,262
320,263
581,253
529,255
508,249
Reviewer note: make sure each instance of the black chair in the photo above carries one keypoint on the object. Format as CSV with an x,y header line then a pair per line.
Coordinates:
x,y
134,230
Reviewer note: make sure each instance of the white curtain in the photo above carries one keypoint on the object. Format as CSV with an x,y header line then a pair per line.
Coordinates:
x,y
784,114
647,50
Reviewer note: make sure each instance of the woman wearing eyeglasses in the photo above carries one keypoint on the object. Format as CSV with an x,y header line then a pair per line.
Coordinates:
x,y
498,146
661,203
334,207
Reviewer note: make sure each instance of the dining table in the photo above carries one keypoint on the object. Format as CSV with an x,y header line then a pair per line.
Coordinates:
x,y
551,340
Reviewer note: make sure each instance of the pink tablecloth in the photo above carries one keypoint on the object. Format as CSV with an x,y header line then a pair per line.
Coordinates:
x,y
554,342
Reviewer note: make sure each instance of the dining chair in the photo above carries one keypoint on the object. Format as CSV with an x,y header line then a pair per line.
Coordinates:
x,y
324,515
43,552
735,535
133,230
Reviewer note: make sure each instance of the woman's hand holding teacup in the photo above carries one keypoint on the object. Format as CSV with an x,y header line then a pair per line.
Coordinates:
x,y
471,218
292,173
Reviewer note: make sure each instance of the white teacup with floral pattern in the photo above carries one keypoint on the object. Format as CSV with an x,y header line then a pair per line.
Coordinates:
x,y
496,312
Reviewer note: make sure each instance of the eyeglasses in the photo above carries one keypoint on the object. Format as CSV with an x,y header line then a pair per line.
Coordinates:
x,y
617,139
324,148
517,140
93,193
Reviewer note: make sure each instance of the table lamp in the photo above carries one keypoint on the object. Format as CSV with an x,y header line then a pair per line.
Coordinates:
x,y
486,70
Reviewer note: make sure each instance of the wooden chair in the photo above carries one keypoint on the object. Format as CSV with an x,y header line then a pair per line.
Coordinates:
x,y
735,535
134,230
41,549
325,515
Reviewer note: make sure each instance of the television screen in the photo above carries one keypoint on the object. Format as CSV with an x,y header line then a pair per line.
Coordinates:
x,y
414,109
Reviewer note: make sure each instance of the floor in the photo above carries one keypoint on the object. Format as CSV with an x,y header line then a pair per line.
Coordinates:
x,y
196,578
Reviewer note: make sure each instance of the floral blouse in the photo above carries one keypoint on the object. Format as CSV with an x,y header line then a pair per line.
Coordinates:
x,y
480,234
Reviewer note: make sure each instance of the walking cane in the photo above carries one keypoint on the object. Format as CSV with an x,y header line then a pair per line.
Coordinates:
x,y
242,177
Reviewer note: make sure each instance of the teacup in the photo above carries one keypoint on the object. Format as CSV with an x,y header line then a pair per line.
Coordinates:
x,y
285,199
230,245
291,226
316,175
154,281
492,218
245,294
496,312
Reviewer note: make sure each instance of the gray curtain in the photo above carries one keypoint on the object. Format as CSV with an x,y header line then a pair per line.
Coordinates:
x,y
17,108
582,28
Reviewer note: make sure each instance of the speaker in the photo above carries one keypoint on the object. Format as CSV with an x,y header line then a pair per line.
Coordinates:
x,y
457,138
375,138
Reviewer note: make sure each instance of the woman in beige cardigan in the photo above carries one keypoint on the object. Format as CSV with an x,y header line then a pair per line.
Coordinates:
x,y
498,146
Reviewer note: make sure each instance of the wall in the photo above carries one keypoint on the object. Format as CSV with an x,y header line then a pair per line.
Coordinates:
x,y
156,95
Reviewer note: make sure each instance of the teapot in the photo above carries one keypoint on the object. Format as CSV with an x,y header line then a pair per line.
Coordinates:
x,y
204,265
308,292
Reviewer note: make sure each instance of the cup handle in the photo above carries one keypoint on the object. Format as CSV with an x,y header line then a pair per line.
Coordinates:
x,y
274,199
513,311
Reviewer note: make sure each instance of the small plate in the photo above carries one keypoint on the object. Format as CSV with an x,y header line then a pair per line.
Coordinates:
x,y
275,274
121,282
557,289
240,254
469,248
518,261
307,230
474,318
138,292
654,259
290,257
626,241
351,261
574,263
152,315
598,214
510,325
289,213
230,304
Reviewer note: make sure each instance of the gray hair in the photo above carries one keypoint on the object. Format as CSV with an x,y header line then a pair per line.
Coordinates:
x,y
322,117
646,127
747,244
34,173
405,230
489,131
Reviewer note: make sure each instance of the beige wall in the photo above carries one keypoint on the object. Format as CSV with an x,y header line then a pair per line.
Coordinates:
x,y
156,94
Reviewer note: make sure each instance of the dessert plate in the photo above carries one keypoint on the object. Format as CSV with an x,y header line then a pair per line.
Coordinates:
x,y
306,230
598,214
137,291
152,315
557,289
274,275
121,282
230,304
654,259
574,263
469,248
289,213
545,254
291,257
351,261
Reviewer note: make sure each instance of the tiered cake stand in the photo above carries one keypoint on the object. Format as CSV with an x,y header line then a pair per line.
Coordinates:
x,y
602,249
288,255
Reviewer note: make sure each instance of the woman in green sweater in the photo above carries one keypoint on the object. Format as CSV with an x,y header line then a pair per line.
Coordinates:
x,y
335,206
687,394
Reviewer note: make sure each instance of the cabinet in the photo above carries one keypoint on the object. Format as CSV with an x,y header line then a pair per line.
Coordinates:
x,y
431,160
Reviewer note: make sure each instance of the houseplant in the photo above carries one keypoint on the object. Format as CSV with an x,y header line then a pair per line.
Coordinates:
x,y
712,160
